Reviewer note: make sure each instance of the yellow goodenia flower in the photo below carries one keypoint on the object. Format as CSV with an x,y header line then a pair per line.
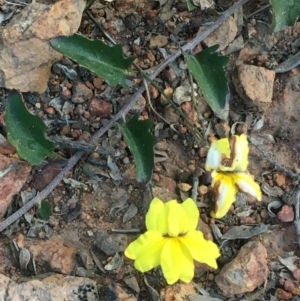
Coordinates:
x,y
172,241
227,159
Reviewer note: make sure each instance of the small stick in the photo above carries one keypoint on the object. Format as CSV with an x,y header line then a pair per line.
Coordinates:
x,y
195,187
277,165
87,147
126,231
297,221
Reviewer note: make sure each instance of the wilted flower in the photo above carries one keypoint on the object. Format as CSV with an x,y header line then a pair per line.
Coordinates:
x,y
172,241
227,159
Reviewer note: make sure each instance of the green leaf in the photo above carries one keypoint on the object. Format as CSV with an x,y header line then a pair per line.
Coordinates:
x,y
285,13
207,68
26,132
141,143
190,5
106,61
45,210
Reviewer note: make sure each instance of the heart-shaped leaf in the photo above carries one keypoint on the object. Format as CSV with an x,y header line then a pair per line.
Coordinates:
x,y
106,61
141,143
207,68
26,132
285,13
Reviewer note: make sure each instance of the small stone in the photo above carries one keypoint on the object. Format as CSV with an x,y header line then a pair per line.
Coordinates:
x,y
150,56
168,92
99,107
65,130
280,179
282,295
170,115
182,94
89,233
296,274
222,36
56,254
81,93
50,111
139,105
126,160
202,189
247,271
162,145
97,82
222,129
155,177
169,184
184,187
158,41
289,285
203,152
66,94
153,92
171,76
256,83
178,292
286,214
110,243
188,109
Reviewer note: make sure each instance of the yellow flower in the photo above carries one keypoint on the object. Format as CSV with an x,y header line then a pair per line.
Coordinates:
x,y
227,159
172,241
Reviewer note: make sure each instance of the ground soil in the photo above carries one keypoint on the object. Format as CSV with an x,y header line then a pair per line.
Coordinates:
x,y
183,155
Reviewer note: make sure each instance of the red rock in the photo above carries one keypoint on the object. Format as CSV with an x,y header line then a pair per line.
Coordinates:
x,y
178,292
5,147
60,257
289,285
30,70
12,181
99,107
188,108
256,82
97,82
280,179
286,214
283,295
66,94
247,271
169,184
81,93
153,92
296,274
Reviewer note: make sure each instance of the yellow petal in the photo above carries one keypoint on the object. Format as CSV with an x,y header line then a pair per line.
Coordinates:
x,y
219,149
228,154
224,191
245,183
239,151
176,263
192,213
156,217
202,250
146,250
177,219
